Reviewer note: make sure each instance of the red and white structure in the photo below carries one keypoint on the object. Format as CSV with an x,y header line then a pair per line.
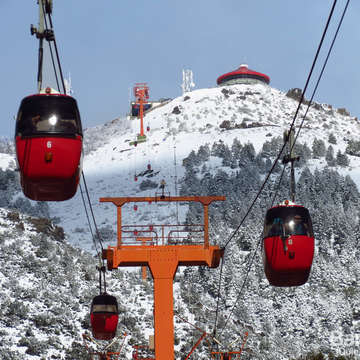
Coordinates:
x,y
242,75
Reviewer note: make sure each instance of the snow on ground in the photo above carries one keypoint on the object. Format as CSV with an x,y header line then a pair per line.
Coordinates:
x,y
176,128
7,162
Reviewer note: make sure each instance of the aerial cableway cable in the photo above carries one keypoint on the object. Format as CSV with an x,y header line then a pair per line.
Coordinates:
x,y
52,118
292,125
51,31
243,284
282,149
313,93
249,265
278,187
51,37
298,134
218,298
95,237
322,69
47,32
40,64
92,213
89,223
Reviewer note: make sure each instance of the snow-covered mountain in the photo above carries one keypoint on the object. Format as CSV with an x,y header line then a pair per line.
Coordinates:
x,y
217,141
250,113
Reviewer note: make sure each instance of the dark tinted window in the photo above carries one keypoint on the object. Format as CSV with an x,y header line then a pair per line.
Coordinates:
x,y
288,220
104,303
48,114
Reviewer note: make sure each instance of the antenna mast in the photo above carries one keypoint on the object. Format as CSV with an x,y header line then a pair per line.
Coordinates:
x,y
188,82
68,87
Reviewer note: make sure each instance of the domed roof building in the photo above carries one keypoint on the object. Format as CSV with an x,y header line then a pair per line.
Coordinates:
x,y
243,75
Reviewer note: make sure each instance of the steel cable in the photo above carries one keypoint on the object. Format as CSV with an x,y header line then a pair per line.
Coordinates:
x,y
281,151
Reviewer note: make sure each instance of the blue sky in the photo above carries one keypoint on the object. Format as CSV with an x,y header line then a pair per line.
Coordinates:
x,y
109,46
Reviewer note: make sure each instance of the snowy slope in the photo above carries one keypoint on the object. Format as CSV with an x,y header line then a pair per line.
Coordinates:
x,y
42,294
7,161
255,113
46,291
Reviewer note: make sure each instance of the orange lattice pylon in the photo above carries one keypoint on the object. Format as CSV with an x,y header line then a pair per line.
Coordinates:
x,y
163,255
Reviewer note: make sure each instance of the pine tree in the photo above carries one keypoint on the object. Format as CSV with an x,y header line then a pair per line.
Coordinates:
x,y
191,160
271,148
306,186
342,159
268,165
318,148
332,139
236,148
191,183
353,148
329,157
304,152
203,153
260,163
226,156
247,155
217,148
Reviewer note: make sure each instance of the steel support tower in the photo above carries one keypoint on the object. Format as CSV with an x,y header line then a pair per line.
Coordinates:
x,y
141,93
163,252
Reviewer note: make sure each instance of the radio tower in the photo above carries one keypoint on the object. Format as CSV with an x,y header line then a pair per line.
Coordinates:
x,y
68,87
188,82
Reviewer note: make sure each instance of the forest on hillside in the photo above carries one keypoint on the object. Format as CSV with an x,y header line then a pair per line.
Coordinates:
x,y
328,303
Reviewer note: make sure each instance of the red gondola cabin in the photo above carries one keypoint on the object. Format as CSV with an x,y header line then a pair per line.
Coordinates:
x,y
288,245
104,316
48,139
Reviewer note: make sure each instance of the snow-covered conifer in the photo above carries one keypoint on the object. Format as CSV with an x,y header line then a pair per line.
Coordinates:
x,y
329,157
318,148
